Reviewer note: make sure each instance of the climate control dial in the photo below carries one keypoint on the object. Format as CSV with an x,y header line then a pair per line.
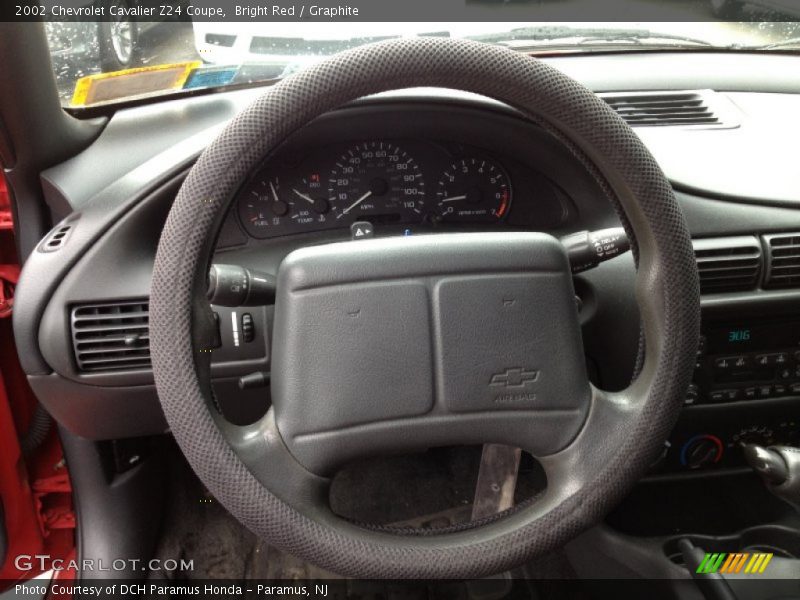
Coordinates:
x,y
701,451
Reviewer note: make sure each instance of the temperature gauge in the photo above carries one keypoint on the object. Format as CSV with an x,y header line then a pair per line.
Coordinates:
x,y
271,207
309,203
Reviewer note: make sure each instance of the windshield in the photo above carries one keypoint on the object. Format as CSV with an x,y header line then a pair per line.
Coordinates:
x,y
107,62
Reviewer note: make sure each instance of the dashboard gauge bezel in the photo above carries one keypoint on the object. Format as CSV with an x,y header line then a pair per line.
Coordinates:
x,y
272,183
372,191
431,154
461,196
288,223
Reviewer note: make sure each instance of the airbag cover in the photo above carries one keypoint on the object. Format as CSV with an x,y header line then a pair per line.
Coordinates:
x,y
427,327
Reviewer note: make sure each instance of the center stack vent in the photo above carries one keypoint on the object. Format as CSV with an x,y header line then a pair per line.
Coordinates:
x,y
728,264
783,260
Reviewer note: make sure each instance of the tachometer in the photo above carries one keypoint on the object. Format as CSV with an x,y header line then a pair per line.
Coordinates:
x,y
376,181
473,190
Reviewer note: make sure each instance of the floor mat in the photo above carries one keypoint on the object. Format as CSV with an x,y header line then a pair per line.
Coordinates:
x,y
428,490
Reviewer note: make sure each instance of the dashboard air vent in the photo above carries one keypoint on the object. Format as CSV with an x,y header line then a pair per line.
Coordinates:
x,y
56,238
111,337
783,261
728,264
660,109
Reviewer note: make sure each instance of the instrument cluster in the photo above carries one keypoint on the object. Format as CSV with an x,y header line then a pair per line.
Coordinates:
x,y
385,182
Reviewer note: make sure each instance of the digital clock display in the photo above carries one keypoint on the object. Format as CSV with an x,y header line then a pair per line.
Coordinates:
x,y
738,335
737,338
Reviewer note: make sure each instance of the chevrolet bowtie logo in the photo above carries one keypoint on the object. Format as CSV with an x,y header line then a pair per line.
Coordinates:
x,y
514,378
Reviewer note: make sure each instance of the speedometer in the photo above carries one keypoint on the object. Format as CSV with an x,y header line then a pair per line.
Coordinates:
x,y
376,181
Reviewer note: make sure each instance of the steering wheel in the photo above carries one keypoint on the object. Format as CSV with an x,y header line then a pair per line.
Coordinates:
x,y
405,343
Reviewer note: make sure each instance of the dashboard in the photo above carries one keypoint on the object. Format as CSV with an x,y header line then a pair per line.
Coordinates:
x,y
420,162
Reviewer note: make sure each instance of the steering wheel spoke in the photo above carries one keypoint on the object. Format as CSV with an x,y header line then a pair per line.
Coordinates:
x,y
265,455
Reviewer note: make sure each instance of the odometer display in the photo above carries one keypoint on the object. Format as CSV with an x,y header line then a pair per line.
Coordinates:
x,y
376,181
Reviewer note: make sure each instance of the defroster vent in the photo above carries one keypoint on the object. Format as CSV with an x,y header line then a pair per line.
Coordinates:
x,y
703,108
111,336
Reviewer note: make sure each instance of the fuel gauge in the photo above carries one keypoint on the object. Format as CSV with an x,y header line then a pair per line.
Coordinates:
x,y
262,209
279,205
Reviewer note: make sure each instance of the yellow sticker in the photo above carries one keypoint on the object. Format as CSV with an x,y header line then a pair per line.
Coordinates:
x,y
139,81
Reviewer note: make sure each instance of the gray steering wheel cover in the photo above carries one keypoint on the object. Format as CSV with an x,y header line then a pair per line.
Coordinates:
x,y
634,424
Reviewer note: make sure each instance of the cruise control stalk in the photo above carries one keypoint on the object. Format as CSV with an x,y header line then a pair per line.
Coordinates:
x,y
231,285
587,249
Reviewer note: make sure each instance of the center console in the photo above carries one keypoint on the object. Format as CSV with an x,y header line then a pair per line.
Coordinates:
x,y
746,389
747,361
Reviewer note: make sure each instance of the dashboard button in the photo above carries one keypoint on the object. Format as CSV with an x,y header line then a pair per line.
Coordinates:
x,y
775,358
692,395
724,363
361,230
764,391
749,393
248,328
785,373
731,395
701,348
779,389
718,396
795,388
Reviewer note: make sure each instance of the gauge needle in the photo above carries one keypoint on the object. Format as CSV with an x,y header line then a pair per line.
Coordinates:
x,y
274,193
357,202
303,196
454,198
